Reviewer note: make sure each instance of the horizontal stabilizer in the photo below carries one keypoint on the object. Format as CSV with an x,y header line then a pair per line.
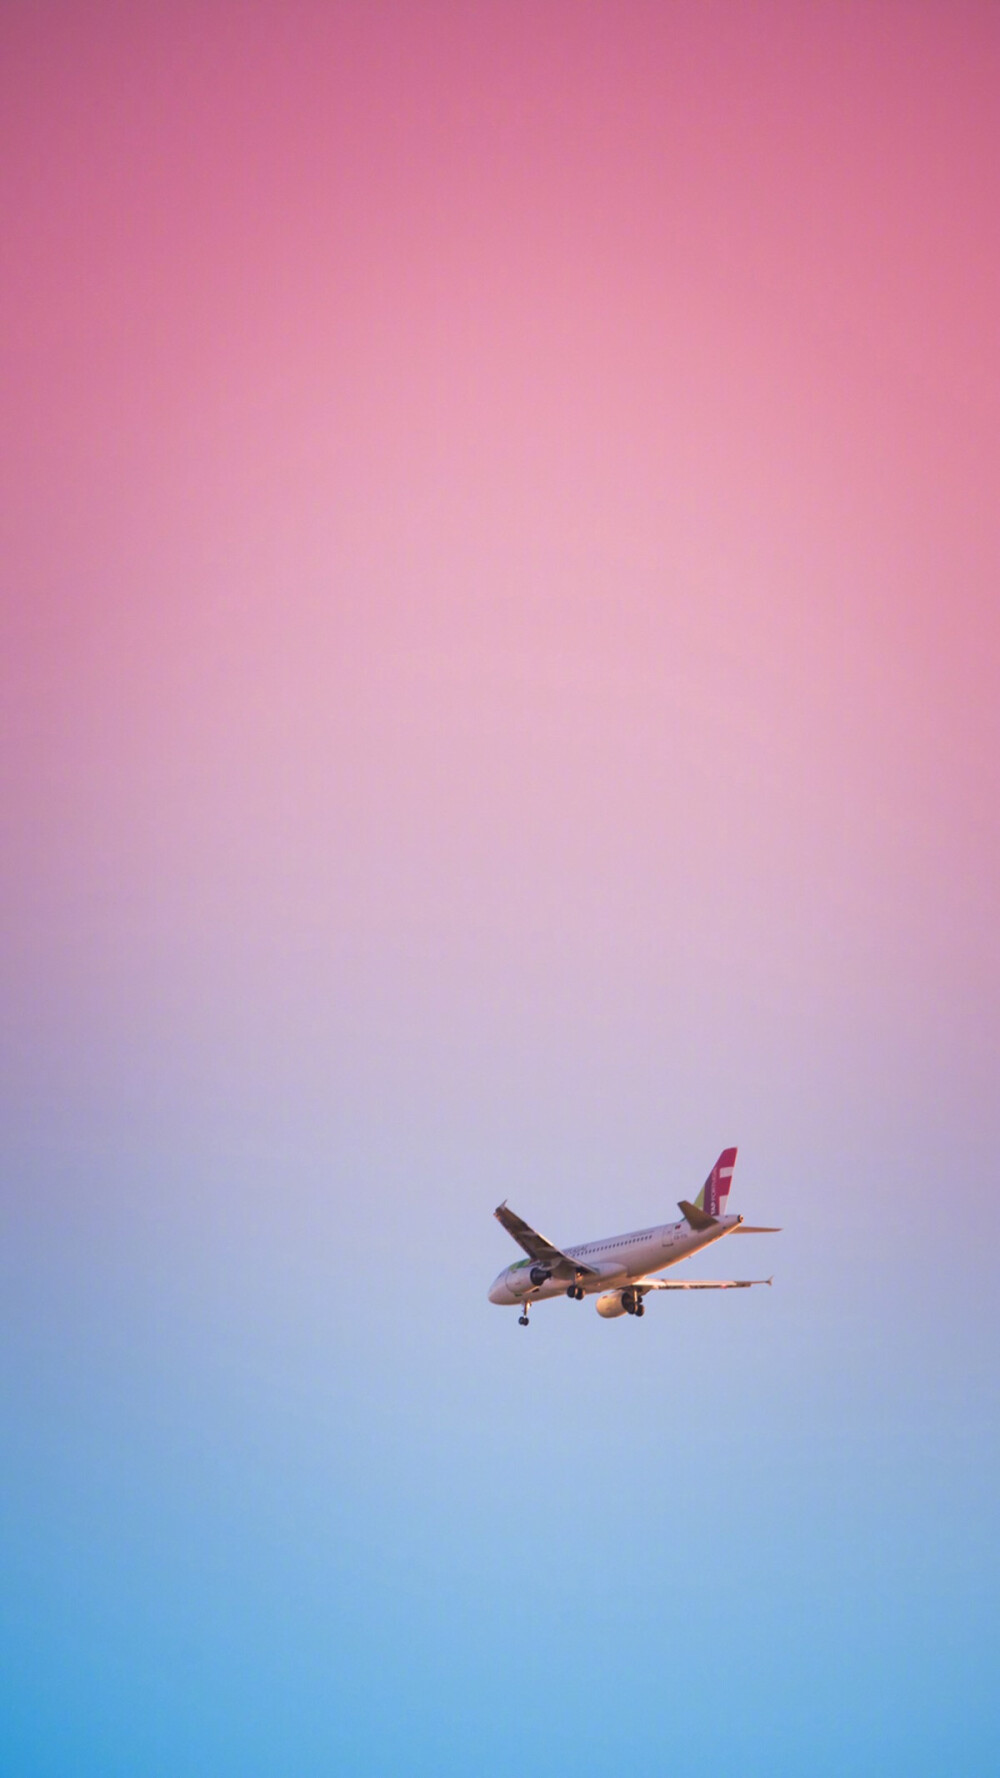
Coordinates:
x,y
749,1228
698,1219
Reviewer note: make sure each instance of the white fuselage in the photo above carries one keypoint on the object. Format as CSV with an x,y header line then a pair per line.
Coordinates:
x,y
620,1260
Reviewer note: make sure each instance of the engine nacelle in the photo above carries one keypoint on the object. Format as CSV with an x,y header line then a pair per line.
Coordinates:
x,y
610,1304
539,1276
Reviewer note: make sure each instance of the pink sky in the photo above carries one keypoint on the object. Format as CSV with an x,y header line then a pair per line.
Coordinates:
x,y
520,476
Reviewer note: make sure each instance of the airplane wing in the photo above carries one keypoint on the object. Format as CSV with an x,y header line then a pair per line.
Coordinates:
x,y
698,1283
560,1264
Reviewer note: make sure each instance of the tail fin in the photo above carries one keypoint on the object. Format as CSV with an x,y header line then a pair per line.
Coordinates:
x,y
715,1191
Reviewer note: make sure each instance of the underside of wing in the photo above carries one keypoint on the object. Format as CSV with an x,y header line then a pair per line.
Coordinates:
x,y
698,1283
560,1264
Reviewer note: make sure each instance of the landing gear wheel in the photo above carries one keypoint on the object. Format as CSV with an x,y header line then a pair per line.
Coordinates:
x,y
522,1321
640,1308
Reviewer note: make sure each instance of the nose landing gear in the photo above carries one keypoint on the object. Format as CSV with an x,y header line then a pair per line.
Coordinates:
x,y
522,1320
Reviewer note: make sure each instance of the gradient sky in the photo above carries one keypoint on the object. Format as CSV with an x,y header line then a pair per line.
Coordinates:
x,y
500,569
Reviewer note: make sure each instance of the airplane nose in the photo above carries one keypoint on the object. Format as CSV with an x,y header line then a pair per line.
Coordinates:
x,y
496,1290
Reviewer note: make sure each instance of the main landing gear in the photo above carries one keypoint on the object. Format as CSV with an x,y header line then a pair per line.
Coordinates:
x,y
632,1303
575,1292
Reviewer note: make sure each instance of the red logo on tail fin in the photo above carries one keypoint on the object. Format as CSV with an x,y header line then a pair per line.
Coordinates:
x,y
718,1183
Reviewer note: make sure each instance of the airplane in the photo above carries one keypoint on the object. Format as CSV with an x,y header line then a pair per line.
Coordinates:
x,y
619,1271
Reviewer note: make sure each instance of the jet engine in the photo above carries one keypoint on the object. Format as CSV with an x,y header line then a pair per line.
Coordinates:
x,y
620,1302
610,1304
539,1276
